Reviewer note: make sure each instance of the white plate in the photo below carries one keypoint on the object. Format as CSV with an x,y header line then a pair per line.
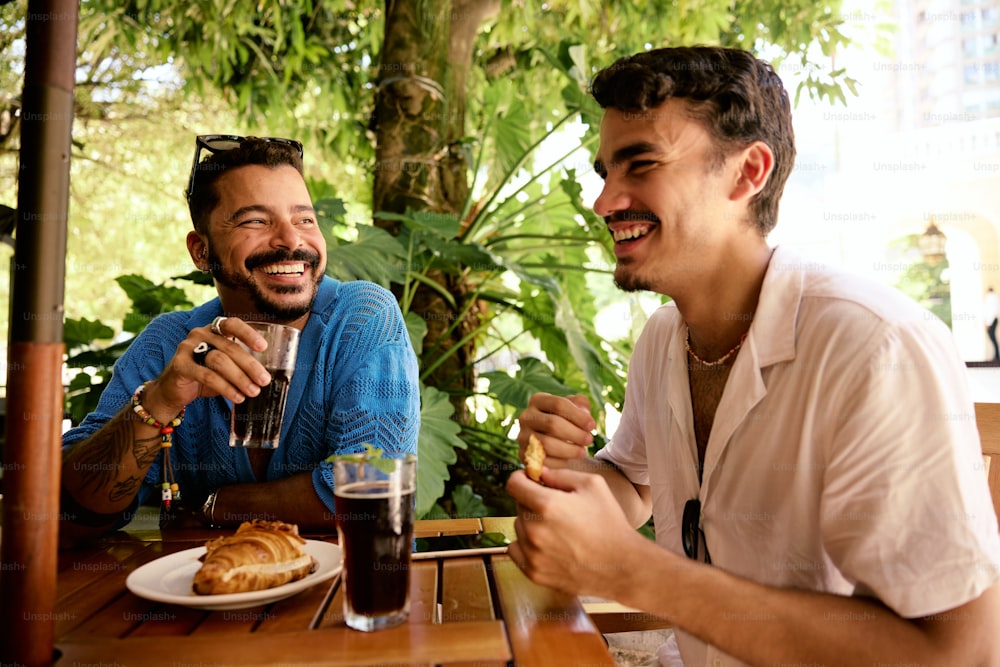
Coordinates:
x,y
168,579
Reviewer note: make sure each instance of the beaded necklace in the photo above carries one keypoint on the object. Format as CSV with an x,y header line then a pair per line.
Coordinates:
x,y
718,362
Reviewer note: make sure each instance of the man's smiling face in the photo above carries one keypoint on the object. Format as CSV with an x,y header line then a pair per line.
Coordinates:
x,y
265,249
665,195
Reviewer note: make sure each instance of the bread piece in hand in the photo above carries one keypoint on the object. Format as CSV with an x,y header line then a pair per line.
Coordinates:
x,y
260,555
534,457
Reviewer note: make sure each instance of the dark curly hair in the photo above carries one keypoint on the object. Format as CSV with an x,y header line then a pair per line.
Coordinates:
x,y
736,97
204,197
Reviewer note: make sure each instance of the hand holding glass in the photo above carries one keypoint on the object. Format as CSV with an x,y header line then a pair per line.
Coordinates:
x,y
256,422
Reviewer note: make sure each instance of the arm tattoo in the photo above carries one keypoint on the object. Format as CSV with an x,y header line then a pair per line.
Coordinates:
x,y
125,489
145,451
100,460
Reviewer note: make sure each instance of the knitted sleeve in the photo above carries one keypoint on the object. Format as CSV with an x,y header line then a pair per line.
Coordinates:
x,y
375,391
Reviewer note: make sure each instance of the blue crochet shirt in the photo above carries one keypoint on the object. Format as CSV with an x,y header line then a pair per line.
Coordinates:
x,y
355,382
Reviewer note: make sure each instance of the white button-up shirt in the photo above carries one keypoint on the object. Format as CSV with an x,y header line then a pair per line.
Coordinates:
x,y
844,455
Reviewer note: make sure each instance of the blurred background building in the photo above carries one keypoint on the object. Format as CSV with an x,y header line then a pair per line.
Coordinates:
x,y
914,156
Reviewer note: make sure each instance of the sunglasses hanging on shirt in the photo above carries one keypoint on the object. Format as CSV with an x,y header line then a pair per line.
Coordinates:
x,y
692,536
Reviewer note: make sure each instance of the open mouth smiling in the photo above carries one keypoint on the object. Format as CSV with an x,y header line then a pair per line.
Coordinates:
x,y
285,269
631,225
623,235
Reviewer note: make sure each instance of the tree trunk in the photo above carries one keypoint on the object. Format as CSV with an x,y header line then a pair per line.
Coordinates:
x,y
419,117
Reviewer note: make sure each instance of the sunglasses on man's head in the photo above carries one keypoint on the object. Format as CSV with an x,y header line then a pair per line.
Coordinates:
x,y
219,143
692,536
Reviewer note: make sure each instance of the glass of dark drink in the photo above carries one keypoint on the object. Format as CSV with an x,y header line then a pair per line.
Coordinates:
x,y
256,422
375,507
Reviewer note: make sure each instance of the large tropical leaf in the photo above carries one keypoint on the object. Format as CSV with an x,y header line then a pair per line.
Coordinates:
x,y
585,356
376,256
457,256
436,446
532,377
149,300
416,327
468,504
83,332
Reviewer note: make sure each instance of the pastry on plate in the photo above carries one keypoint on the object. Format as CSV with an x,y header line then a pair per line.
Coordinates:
x,y
260,555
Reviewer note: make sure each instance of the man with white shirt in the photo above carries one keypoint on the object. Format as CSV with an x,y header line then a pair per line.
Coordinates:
x,y
804,439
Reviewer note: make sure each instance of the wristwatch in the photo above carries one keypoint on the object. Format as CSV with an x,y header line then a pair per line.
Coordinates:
x,y
208,510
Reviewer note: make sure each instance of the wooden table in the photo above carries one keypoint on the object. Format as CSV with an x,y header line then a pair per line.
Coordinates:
x,y
464,610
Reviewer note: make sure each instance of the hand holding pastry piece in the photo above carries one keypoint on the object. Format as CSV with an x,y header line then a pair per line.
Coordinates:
x,y
260,555
534,457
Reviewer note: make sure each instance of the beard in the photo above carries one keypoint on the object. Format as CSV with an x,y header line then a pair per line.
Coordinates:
x,y
628,281
271,309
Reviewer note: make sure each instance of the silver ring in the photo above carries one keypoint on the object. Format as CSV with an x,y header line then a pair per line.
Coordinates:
x,y
201,351
217,325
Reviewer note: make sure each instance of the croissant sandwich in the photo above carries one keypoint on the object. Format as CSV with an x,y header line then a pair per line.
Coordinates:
x,y
260,555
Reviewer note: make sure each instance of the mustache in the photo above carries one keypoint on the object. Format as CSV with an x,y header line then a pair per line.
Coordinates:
x,y
631,216
273,256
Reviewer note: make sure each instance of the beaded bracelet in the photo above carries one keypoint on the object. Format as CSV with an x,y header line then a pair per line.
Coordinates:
x,y
170,490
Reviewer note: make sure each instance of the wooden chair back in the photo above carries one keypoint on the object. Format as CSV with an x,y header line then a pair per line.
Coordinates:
x,y
988,422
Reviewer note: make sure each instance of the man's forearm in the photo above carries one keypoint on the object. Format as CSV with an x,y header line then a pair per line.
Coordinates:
x,y
766,626
292,500
104,472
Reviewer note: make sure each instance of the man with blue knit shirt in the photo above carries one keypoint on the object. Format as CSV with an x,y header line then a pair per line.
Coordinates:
x,y
355,381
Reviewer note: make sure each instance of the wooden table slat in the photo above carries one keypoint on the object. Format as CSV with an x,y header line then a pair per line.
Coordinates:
x,y
235,621
482,642
465,590
79,603
115,620
546,627
423,592
432,527
79,568
299,612
610,617
170,621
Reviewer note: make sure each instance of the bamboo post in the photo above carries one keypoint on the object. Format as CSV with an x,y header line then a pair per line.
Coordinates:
x,y
32,458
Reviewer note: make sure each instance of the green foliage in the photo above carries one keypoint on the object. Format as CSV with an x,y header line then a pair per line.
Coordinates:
x,y
149,300
464,503
437,446
371,456
92,361
532,377
525,253
923,282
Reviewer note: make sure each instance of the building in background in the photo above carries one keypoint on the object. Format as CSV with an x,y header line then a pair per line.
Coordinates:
x,y
919,145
